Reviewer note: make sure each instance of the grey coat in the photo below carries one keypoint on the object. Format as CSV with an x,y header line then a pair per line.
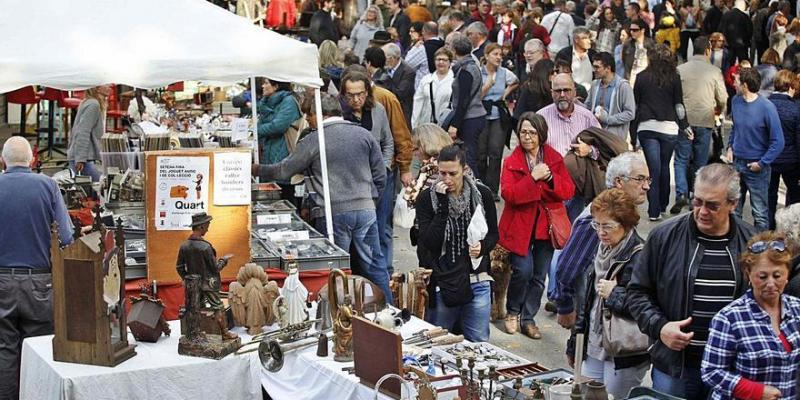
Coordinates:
x,y
87,130
621,111
383,133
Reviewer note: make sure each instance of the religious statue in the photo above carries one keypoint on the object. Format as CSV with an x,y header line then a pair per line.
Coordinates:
x,y
295,296
343,334
199,268
251,296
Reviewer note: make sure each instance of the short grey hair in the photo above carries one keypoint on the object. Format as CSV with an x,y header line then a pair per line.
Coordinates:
x,y
330,106
500,3
720,174
391,50
479,28
17,152
581,30
621,166
461,46
570,6
534,44
787,220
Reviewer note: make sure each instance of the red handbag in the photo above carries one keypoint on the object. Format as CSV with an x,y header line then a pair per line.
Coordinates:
x,y
558,223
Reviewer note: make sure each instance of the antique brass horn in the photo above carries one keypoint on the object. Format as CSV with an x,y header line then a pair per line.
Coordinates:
x,y
271,353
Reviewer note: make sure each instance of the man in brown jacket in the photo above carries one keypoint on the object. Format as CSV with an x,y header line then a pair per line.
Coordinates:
x,y
703,94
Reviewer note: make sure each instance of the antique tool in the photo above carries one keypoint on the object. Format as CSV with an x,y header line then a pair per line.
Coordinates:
x,y
271,353
288,334
441,341
426,335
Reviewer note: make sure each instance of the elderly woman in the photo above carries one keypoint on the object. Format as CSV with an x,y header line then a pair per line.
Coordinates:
x,y
88,128
614,218
369,23
533,180
753,348
787,220
460,288
432,97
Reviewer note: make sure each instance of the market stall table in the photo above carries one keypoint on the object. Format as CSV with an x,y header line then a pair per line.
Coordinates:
x,y
156,372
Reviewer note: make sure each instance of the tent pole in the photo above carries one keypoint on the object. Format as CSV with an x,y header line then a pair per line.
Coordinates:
x,y
323,159
254,115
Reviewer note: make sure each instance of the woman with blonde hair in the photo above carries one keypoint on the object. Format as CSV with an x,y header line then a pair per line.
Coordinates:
x,y
369,23
331,62
88,128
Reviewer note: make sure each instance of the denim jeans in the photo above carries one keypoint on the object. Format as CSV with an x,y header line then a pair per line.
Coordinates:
x,y
527,281
469,131
361,229
385,213
657,149
618,381
491,141
89,169
689,157
791,175
474,315
757,183
688,386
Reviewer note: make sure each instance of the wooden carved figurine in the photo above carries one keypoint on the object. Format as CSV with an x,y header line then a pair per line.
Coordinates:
x,y
501,272
396,284
251,296
421,279
342,315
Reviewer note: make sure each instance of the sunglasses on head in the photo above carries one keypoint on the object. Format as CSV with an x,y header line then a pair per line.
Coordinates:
x,y
762,246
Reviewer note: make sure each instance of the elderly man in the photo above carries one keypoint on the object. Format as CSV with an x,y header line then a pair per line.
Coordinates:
x,y
627,171
31,203
533,51
686,273
457,21
703,94
580,56
565,120
356,175
478,35
560,26
402,77
611,97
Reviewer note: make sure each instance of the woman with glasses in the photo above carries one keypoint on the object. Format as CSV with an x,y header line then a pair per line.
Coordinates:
x,y
753,348
614,218
533,180
432,97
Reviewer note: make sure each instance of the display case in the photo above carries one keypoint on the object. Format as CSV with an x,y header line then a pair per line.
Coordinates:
x,y
312,254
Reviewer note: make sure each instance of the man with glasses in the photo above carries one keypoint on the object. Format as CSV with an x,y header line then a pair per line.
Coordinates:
x,y
686,273
628,172
610,97
579,56
534,50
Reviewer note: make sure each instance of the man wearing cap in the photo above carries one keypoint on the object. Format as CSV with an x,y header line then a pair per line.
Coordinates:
x,y
198,257
31,203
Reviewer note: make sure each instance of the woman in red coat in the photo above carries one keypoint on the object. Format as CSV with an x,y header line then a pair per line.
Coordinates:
x,y
533,177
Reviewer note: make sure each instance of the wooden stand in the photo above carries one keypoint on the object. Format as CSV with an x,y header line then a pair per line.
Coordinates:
x,y
377,351
86,275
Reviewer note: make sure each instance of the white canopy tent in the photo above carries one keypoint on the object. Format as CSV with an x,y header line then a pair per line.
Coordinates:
x,y
78,44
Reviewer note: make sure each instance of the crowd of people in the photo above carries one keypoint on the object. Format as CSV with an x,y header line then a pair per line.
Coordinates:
x,y
595,101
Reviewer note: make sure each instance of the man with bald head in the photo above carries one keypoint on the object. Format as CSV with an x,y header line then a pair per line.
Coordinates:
x,y
565,120
30,204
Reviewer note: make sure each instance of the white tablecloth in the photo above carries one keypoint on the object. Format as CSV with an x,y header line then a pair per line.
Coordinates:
x,y
157,371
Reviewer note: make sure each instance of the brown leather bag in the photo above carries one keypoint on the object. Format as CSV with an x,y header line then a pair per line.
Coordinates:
x,y
558,223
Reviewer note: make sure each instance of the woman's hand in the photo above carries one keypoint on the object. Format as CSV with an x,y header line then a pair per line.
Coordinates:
x,y
541,172
475,251
440,188
605,287
771,393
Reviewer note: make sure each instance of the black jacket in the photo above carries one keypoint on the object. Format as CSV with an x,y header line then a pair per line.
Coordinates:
x,y
403,25
789,114
629,54
659,291
657,103
322,28
566,54
711,20
628,257
403,88
737,28
431,46
197,256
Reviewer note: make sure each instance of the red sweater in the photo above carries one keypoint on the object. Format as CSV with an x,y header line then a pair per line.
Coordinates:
x,y
751,390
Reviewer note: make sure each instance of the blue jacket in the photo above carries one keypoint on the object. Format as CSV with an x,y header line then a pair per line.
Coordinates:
x,y
789,113
275,114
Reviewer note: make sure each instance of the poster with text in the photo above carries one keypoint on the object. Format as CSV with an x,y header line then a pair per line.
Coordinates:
x,y
181,191
231,179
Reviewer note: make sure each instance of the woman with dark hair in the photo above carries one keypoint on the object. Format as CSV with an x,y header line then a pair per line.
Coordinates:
x,y
535,92
785,165
277,110
605,23
460,286
659,97
753,348
614,218
534,180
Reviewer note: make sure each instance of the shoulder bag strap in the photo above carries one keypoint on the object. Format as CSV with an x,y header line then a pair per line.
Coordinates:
x,y
554,23
433,103
614,272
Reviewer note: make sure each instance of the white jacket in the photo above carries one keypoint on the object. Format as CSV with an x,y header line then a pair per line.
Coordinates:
x,y
442,89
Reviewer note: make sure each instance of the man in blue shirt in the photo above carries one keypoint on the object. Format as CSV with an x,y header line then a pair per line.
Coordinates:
x,y
756,140
30,204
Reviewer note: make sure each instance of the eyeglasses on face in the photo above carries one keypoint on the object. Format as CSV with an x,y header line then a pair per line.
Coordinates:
x,y
607,227
762,246
353,96
529,133
712,206
641,179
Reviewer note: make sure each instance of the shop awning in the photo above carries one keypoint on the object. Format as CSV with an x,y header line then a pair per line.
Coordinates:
x,y
78,44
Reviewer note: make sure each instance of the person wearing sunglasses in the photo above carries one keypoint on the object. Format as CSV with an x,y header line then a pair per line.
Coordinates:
x,y
614,220
753,349
686,273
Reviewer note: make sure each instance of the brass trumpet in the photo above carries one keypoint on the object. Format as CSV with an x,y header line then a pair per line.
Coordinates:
x,y
288,334
271,353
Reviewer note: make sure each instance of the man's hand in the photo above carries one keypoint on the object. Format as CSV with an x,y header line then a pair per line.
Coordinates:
x,y
79,166
407,179
771,393
729,155
540,172
453,131
754,166
581,149
567,321
689,133
254,169
673,337
475,251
